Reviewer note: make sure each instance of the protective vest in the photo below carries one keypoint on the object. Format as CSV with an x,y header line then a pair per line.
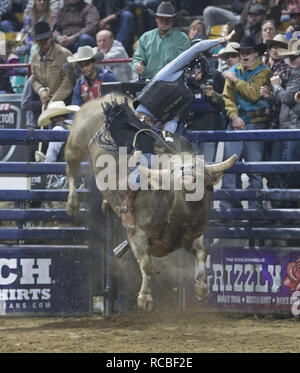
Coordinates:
x,y
165,100
89,93
249,110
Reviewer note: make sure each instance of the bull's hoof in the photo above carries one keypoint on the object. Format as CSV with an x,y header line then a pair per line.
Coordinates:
x,y
145,302
73,206
201,289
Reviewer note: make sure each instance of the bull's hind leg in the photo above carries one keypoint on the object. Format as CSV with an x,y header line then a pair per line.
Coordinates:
x,y
200,258
73,157
139,246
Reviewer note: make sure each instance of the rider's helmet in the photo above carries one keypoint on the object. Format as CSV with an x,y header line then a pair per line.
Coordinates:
x,y
196,72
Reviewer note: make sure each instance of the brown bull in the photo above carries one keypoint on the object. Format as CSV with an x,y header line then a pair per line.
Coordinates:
x,y
165,220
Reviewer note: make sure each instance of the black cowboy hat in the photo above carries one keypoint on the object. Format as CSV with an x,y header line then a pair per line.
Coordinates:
x,y
257,9
41,31
249,43
165,9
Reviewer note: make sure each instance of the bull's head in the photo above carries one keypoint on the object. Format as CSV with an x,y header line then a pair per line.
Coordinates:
x,y
187,172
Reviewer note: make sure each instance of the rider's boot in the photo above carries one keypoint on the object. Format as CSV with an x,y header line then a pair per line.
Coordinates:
x,y
127,209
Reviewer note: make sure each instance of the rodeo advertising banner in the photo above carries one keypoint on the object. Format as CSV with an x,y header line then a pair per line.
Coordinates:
x,y
252,280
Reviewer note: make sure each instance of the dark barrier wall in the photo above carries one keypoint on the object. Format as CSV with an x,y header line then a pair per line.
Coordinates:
x,y
11,118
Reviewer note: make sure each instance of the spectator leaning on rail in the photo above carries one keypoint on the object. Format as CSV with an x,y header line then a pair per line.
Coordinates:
x,y
76,25
113,49
278,66
89,84
56,115
290,111
157,47
53,78
246,109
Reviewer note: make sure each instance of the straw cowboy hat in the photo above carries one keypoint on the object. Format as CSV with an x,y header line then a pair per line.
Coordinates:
x,y
55,109
84,54
279,40
293,49
165,9
228,50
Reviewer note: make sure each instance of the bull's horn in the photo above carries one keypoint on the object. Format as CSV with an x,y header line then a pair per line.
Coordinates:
x,y
151,171
222,166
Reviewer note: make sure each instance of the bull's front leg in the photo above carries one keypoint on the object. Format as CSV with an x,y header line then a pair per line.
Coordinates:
x,y
138,243
73,157
200,259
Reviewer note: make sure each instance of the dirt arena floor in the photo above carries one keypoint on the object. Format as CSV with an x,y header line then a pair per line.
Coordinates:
x,y
202,330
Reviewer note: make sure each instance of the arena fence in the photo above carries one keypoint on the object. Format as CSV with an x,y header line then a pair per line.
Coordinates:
x,y
52,264
254,253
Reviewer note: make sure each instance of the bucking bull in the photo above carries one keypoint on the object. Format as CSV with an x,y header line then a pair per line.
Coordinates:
x,y
165,219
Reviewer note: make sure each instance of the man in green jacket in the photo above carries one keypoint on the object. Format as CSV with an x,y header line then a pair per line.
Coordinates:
x,y
157,47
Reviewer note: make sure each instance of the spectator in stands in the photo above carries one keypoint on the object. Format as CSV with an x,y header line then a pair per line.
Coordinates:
x,y
5,86
278,66
229,56
158,47
8,20
30,104
119,17
53,78
213,15
113,49
246,109
197,28
190,7
13,58
56,116
31,107
89,84
55,5
257,14
76,24
290,111
297,97
39,11
294,22
269,30
273,10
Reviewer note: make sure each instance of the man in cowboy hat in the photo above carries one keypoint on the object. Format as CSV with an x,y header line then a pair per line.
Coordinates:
x,y
53,78
229,56
157,47
294,22
56,115
89,84
279,68
246,109
289,117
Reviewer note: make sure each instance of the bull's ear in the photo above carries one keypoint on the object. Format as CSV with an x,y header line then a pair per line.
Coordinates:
x,y
216,177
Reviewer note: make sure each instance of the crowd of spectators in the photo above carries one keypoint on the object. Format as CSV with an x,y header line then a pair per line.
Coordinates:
x,y
252,82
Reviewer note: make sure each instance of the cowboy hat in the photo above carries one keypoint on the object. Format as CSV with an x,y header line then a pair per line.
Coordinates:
x,y
41,31
228,50
257,9
293,49
248,43
55,109
165,9
279,40
84,54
